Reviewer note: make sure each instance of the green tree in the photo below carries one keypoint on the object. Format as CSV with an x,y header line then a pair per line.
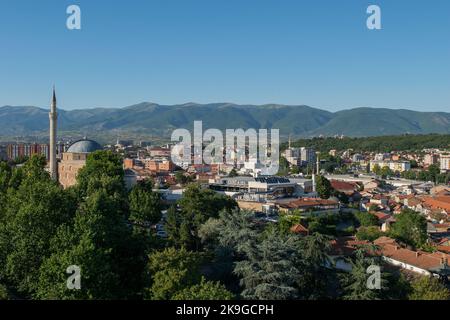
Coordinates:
x,y
324,188
377,170
370,233
270,271
314,264
32,214
410,227
225,239
145,205
182,178
283,167
98,164
433,172
386,172
286,222
5,177
99,241
366,219
172,226
323,224
197,206
429,288
172,270
355,282
283,267
4,295
205,290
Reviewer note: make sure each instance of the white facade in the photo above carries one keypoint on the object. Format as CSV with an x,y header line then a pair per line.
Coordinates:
x,y
445,163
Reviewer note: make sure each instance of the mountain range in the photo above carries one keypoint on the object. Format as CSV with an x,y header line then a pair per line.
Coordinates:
x,y
154,120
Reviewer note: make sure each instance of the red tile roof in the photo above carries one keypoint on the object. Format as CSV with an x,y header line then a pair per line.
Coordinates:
x,y
439,202
309,202
342,186
427,261
345,246
298,228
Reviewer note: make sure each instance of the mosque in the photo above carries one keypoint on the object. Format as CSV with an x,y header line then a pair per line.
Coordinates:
x,y
65,171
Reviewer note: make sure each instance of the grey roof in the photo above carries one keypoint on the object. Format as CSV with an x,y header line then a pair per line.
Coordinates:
x,y
84,146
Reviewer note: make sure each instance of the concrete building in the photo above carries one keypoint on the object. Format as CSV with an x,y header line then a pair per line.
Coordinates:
x,y
445,162
3,155
261,189
18,150
308,156
430,159
396,166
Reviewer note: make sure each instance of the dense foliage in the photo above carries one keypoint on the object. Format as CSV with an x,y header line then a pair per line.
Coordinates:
x,y
376,144
213,250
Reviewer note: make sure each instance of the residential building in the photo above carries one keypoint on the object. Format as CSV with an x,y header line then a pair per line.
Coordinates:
x,y
430,159
308,156
3,155
309,205
423,263
396,166
445,162
18,150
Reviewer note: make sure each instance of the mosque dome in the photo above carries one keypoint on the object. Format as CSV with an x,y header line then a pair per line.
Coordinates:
x,y
84,146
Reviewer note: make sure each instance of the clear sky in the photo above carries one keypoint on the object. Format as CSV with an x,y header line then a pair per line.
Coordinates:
x,y
314,52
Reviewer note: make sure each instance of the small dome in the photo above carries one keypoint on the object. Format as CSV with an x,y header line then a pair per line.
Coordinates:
x,y
84,146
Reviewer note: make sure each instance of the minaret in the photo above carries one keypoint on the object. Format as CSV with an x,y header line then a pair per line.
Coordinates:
x,y
314,178
53,115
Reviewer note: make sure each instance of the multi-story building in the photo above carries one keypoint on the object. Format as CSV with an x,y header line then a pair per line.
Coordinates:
x,y
308,156
357,157
293,156
430,159
396,166
3,155
445,162
159,152
18,150
159,165
382,156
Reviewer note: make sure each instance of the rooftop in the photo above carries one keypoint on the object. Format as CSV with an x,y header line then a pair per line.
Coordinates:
x,y
84,146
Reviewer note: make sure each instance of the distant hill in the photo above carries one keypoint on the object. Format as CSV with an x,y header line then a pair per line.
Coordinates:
x,y
150,119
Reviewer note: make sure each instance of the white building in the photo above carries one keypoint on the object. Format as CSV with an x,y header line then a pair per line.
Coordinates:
x,y
445,162
395,166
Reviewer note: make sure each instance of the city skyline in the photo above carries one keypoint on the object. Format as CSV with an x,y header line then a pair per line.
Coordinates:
x,y
318,53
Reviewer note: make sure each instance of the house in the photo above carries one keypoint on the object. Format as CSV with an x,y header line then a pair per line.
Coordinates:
x,y
428,264
348,188
300,229
342,248
309,205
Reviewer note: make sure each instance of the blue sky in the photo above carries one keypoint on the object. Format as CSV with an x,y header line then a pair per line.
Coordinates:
x,y
314,52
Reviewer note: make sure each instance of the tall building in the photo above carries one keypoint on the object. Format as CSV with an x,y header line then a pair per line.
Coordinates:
x,y
3,155
430,159
18,150
445,162
53,116
308,156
